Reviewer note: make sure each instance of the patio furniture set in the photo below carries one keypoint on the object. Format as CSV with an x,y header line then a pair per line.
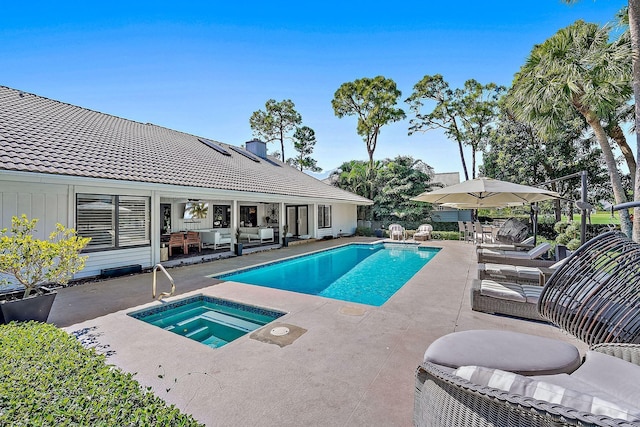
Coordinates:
x,y
501,378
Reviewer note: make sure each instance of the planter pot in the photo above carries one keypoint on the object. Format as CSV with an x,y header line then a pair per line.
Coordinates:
x,y
35,307
378,232
285,242
237,249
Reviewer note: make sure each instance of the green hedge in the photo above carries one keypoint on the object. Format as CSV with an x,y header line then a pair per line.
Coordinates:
x,y
445,235
48,379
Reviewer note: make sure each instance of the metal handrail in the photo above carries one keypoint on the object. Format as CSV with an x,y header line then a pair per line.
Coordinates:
x,y
153,288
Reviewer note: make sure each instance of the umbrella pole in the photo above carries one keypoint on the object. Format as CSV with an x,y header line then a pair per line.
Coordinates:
x,y
534,215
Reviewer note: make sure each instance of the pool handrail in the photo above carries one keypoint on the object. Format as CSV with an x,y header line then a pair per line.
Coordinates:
x,y
153,287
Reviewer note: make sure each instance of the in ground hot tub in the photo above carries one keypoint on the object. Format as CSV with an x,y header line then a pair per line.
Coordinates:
x,y
211,321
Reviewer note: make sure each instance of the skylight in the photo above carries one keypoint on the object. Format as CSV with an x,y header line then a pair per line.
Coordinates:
x,y
215,146
247,154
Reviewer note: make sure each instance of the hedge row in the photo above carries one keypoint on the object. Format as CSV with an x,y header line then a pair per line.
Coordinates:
x,y
48,379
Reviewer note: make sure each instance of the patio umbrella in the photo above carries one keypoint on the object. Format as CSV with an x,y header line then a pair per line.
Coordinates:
x,y
485,193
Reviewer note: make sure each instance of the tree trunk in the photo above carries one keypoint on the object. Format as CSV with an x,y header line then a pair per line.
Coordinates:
x,y
464,164
634,28
616,182
616,133
473,163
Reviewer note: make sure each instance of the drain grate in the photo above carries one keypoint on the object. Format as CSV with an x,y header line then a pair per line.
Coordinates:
x,y
279,331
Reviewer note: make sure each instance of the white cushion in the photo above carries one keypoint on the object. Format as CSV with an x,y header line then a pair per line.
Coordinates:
x,y
611,375
506,291
539,250
548,392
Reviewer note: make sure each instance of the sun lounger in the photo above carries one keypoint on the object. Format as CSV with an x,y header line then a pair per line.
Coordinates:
x,y
517,273
508,298
528,258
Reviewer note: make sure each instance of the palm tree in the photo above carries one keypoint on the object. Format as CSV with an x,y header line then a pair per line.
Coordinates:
x,y
577,68
632,18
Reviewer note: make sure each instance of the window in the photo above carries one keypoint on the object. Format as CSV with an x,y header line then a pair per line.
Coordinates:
x,y
221,216
113,221
324,216
248,216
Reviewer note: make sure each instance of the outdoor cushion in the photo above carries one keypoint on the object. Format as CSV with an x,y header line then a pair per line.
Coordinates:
x,y
510,291
612,375
510,351
549,392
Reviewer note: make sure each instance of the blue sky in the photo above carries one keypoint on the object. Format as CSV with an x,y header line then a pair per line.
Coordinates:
x,y
203,68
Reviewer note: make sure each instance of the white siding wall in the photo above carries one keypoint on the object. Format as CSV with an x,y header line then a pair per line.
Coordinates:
x,y
47,202
343,217
116,258
54,203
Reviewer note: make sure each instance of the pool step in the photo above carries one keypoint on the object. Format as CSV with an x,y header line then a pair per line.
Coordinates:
x,y
219,318
214,342
234,322
195,332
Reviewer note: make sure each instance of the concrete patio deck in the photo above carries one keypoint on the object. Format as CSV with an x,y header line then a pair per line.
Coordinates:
x,y
354,365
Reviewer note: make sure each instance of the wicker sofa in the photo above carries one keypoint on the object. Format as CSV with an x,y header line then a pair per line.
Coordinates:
x,y
501,378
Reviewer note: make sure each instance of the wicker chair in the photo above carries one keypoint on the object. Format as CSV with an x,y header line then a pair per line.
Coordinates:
x,y
444,399
594,295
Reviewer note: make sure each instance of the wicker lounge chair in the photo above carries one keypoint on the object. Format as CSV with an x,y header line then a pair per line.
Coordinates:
x,y
508,298
594,296
525,275
531,257
423,232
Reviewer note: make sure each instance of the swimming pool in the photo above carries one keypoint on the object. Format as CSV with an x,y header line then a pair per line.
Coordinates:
x,y
362,273
212,321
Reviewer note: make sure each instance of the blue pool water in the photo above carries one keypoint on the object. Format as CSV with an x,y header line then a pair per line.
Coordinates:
x,y
211,321
367,274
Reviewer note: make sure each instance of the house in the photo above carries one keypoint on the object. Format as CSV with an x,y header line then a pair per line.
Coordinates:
x,y
129,185
443,213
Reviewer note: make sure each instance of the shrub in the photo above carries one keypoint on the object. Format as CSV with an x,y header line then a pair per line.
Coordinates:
x,y
573,244
445,235
364,231
35,263
47,379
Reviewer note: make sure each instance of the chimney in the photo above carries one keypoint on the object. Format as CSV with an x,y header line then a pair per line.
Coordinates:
x,y
257,147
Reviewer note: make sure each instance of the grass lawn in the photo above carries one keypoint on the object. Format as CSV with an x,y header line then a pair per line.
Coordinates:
x,y
600,217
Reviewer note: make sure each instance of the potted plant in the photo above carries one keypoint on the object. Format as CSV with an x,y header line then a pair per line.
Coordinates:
x,y
285,238
237,247
35,265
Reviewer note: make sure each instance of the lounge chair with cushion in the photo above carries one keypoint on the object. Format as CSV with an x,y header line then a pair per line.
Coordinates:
x,y
525,245
517,273
530,257
423,232
495,378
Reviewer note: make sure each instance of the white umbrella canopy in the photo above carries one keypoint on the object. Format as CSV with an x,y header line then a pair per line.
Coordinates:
x,y
486,193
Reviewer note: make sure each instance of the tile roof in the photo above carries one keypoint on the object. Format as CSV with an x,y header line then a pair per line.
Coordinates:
x,y
38,134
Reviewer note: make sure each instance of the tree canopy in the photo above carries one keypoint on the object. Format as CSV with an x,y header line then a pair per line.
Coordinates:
x,y
576,70
466,115
373,101
276,122
304,140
